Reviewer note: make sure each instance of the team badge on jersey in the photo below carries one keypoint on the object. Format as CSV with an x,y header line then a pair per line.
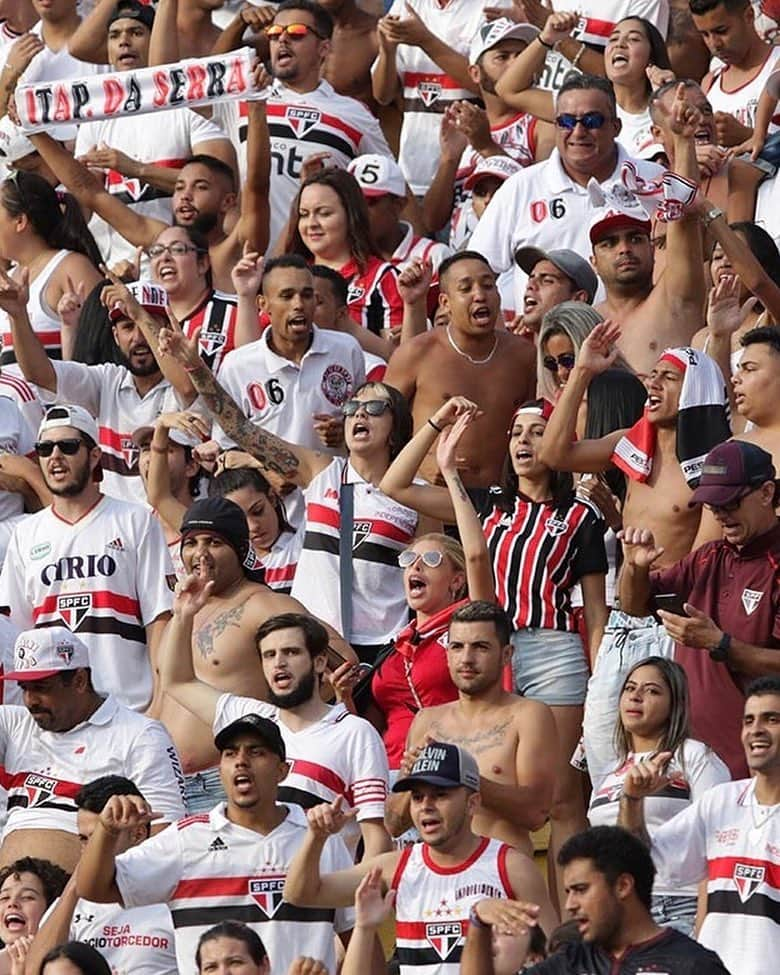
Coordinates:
x,y
444,937
336,384
211,342
429,91
355,292
360,532
750,600
747,878
267,893
302,120
130,451
555,526
73,608
39,788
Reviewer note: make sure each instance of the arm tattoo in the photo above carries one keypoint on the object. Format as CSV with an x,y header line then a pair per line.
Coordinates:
x,y
458,486
209,632
272,452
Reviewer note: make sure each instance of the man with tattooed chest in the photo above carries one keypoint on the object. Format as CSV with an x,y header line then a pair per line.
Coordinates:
x,y
215,545
512,738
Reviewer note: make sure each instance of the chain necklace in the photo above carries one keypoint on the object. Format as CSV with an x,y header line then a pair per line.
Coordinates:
x,y
473,361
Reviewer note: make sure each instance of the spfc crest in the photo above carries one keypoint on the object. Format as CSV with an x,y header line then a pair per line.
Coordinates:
x,y
444,937
73,608
302,120
428,91
360,531
39,788
750,600
747,878
266,892
211,342
130,451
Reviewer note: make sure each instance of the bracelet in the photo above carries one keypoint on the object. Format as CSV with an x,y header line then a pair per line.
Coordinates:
x,y
711,215
475,919
550,47
578,55
438,429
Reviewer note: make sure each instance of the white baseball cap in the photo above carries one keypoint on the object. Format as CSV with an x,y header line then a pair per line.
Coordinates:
x,y
69,415
39,654
499,30
501,166
378,175
143,435
149,296
14,144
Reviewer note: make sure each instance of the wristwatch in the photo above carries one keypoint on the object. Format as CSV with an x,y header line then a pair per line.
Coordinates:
x,y
711,215
720,652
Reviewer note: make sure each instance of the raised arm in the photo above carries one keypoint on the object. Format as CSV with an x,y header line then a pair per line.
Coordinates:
x,y
30,354
385,83
293,463
559,448
414,283
439,199
56,930
96,874
164,42
639,554
89,40
255,220
247,276
158,480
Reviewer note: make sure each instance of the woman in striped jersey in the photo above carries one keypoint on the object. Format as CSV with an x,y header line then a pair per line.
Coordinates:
x,y
542,541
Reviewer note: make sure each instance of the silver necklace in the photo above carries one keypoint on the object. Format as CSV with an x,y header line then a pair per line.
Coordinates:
x,y
472,360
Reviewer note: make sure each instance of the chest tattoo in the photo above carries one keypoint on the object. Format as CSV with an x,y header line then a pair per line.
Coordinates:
x,y
477,742
213,629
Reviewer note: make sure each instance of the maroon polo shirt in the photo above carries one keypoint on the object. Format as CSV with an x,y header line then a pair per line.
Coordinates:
x,y
740,590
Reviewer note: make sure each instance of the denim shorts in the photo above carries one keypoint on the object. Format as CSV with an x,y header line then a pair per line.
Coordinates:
x,y
549,666
675,912
203,790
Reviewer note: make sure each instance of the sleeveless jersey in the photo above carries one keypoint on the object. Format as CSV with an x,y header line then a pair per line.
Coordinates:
x,y
743,101
381,529
216,317
432,904
44,320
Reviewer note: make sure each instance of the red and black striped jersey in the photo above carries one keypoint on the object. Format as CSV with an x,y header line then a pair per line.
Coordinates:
x,y
216,317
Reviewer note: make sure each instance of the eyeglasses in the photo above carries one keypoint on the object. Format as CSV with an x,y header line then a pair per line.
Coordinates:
x,y
69,446
732,506
563,361
432,559
591,120
176,249
374,407
294,31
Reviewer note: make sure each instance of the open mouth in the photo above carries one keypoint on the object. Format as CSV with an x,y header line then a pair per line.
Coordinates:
x,y
15,921
619,59
167,273
529,302
126,60
360,430
481,314
184,212
759,747
417,585
653,402
242,782
282,680
703,136
524,455
298,322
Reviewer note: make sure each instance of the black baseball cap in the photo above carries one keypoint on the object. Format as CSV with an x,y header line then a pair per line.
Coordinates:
x,y
263,728
442,764
731,470
222,517
132,10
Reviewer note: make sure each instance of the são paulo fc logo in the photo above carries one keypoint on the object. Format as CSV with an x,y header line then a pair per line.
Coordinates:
x,y
444,937
302,120
39,788
266,892
211,342
73,608
130,451
747,878
336,384
428,91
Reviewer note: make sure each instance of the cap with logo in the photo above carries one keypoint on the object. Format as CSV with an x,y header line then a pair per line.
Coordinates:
x,y
496,31
131,10
143,435
612,218
69,415
378,175
502,167
442,764
266,730
14,144
39,654
570,263
731,470
150,297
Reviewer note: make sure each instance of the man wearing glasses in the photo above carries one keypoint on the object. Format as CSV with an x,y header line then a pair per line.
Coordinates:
x,y
547,205
95,563
306,116
727,629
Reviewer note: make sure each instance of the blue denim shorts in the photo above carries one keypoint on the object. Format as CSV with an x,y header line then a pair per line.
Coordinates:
x,y
203,790
549,666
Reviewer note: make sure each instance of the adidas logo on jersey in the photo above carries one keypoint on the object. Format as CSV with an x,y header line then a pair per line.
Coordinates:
x,y
116,544
217,845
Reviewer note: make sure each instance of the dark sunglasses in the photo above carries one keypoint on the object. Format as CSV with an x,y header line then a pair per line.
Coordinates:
x,y
563,361
69,446
293,31
591,120
732,506
374,407
432,559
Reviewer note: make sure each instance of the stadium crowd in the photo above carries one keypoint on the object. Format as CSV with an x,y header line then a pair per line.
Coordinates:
x,y
389,448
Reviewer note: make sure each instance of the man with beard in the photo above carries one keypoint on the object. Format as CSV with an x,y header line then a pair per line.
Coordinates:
x,y
221,641
121,397
656,316
94,562
505,733
333,753
225,865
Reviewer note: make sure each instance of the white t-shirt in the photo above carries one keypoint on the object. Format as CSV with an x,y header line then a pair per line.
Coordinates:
x,y
208,869
427,90
281,395
733,842
541,206
340,755
635,134
44,770
104,577
109,393
169,143
699,770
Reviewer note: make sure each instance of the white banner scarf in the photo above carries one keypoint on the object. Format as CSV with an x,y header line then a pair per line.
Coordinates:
x,y
184,84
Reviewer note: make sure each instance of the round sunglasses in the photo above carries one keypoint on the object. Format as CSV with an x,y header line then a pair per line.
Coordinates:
x,y
432,559
565,360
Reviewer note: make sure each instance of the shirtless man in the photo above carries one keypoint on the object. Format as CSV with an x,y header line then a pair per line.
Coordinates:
x,y
661,500
506,734
757,389
215,544
204,196
354,47
472,358
667,313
